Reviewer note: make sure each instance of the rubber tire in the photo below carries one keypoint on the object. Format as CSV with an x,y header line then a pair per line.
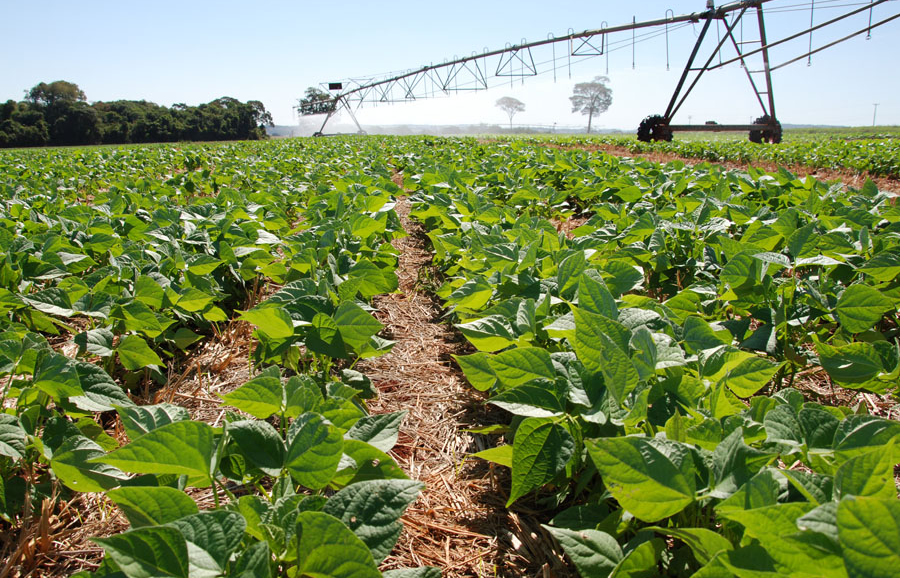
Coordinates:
x,y
772,136
654,128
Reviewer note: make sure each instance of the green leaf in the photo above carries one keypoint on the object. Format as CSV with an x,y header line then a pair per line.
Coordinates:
x,y
325,337
471,295
521,365
140,419
101,393
261,397
260,444
70,464
152,505
314,451
273,321
868,474
641,561
134,353
569,272
193,300
53,301
356,325
183,447
477,369
603,353
593,552
593,296
502,455
152,552
362,461
644,480
883,267
57,376
380,431
869,531
372,510
148,291
704,543
538,398
254,562
12,437
860,307
853,363
541,449
217,533
326,548
490,333
96,342
699,336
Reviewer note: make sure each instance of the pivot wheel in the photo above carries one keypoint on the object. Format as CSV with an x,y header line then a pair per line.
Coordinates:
x,y
768,135
654,128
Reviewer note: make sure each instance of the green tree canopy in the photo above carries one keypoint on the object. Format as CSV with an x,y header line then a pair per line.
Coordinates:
x,y
57,91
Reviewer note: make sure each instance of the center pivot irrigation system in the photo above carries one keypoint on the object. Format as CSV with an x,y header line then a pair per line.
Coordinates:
x,y
470,73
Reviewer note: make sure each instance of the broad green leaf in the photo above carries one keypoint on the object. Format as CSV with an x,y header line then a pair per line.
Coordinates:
x,y
12,437
593,296
217,533
853,363
537,398
641,561
541,449
883,267
593,552
356,325
644,480
148,291
380,431
860,307
502,455
70,464
472,295
96,342
53,301
140,419
869,531
569,272
604,354
57,376
314,451
254,562
183,447
521,365
152,505
325,337
193,300
260,444
868,474
152,552
261,397
273,321
704,543
477,369
134,353
699,336
101,393
372,510
362,461
327,548
489,334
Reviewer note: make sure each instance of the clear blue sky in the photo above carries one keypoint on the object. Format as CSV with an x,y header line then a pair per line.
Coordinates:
x,y
195,51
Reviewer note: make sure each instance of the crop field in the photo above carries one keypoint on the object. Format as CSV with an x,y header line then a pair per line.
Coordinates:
x,y
415,357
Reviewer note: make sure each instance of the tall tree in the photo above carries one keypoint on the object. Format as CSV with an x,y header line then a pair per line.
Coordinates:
x,y
56,91
510,106
316,101
591,98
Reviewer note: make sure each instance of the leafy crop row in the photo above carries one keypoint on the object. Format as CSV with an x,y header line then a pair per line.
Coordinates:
x,y
648,360
876,157
114,265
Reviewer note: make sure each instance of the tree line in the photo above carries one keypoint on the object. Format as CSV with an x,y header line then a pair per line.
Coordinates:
x,y
58,113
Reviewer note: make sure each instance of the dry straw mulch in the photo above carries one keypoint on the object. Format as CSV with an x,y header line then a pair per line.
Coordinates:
x,y
460,523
